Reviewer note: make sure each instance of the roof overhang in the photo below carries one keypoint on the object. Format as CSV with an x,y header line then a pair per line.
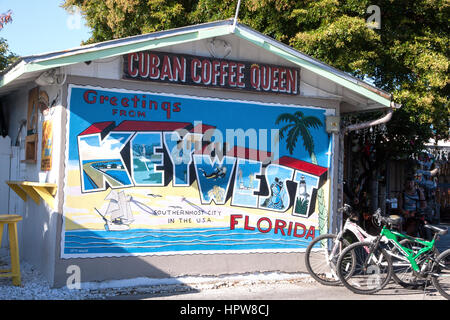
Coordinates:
x,y
27,68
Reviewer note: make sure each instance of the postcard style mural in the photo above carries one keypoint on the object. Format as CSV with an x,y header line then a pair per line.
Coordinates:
x,y
158,174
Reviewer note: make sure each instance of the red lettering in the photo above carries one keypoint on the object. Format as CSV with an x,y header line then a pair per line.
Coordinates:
x,y
223,72
258,225
124,102
206,72
246,226
274,79
282,83
176,107
290,228
240,75
132,72
113,101
153,104
311,233
179,69
154,66
280,225
215,71
255,80
166,69
194,66
166,107
291,80
87,98
232,74
144,65
295,230
265,78
103,99
135,100
233,219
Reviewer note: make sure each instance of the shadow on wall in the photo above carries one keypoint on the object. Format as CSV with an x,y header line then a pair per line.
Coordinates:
x,y
103,271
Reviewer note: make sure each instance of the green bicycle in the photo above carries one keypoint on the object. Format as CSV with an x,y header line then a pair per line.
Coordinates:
x,y
366,267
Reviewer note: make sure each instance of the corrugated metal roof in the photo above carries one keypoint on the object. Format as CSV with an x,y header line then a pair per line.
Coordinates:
x,y
41,62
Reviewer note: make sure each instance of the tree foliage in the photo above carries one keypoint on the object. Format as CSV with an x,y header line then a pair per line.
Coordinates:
x,y
6,56
408,56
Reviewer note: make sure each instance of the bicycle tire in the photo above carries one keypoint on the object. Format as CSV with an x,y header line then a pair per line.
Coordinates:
x,y
357,254
404,275
441,281
317,263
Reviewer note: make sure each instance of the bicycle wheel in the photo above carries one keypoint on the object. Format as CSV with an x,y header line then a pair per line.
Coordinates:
x,y
371,268
402,271
321,259
442,280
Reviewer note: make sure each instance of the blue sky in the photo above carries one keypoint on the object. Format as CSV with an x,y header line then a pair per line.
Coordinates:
x,y
41,26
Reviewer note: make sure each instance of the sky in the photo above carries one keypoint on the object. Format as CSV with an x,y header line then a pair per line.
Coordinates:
x,y
41,26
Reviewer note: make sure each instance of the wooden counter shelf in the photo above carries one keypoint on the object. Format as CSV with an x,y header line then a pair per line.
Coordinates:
x,y
35,190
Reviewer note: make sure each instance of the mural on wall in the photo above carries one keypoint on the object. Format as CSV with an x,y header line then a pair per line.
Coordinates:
x,y
154,174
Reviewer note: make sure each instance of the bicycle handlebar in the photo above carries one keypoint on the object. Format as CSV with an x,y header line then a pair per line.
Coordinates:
x,y
379,219
345,208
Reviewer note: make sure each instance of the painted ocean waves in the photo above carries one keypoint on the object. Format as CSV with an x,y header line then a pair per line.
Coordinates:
x,y
176,240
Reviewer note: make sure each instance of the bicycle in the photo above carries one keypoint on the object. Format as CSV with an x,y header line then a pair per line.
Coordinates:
x,y
321,262
322,254
366,267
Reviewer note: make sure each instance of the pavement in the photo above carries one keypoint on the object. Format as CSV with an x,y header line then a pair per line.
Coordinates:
x,y
294,287
301,287
259,288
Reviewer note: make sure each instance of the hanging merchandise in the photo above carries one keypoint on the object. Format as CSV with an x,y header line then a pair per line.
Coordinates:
x,y
43,101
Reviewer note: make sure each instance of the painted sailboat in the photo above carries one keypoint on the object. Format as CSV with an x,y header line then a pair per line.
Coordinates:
x,y
118,215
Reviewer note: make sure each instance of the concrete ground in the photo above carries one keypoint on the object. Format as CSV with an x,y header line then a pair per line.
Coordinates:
x,y
301,288
296,287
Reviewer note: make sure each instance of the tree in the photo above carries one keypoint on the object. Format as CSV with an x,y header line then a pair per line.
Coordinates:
x,y
6,56
408,56
298,127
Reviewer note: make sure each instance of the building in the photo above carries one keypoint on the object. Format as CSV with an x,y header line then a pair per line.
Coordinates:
x,y
176,153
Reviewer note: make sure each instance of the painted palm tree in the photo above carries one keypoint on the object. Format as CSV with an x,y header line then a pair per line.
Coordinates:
x,y
298,125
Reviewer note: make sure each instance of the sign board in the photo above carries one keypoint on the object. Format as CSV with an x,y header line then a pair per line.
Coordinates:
x,y
210,72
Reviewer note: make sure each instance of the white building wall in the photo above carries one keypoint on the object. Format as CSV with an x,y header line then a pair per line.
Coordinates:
x,y
37,231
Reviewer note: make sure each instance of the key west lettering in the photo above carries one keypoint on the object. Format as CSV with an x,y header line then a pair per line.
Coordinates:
x,y
218,73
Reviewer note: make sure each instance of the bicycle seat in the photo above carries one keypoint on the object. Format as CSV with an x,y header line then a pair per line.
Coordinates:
x,y
395,220
439,231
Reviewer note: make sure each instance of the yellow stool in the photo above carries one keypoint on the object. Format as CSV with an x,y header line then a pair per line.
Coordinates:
x,y
11,220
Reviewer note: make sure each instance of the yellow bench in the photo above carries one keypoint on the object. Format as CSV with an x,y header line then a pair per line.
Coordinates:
x,y
14,273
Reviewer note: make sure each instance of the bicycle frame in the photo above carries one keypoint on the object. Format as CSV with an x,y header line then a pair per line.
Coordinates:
x,y
354,228
393,238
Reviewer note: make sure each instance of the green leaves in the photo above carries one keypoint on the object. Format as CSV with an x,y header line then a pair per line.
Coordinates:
x,y
6,56
408,56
